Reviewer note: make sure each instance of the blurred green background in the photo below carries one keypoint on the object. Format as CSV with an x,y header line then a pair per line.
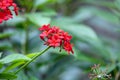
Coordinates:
x,y
94,25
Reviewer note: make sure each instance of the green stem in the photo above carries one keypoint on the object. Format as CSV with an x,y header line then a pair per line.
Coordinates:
x,y
27,63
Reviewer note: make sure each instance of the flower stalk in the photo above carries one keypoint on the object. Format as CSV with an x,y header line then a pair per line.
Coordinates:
x,y
36,56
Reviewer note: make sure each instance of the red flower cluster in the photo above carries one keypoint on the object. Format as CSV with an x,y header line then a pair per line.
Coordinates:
x,y
55,37
5,12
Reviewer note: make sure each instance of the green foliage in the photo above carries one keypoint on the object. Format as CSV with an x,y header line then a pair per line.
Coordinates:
x,y
7,76
94,25
14,58
38,19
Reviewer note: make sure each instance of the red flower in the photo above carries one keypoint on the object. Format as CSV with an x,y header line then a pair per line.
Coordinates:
x,y
5,12
55,37
54,41
45,27
68,47
66,36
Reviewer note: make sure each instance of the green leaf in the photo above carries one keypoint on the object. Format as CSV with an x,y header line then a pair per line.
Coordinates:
x,y
7,76
15,20
87,12
13,65
109,68
13,58
48,13
81,56
5,45
1,65
39,2
78,55
15,39
38,19
24,77
32,54
80,31
1,54
4,35
110,17
117,4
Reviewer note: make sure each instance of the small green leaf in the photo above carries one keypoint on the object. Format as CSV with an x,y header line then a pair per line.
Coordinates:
x,y
7,76
13,58
32,55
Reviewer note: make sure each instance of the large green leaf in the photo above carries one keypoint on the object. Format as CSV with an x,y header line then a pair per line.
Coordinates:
x,y
38,19
7,76
87,12
13,58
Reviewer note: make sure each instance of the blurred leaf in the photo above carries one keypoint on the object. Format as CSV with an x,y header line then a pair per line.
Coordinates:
x,y
5,45
33,78
1,54
34,41
83,57
15,20
32,54
82,14
1,65
109,68
39,2
110,17
13,58
38,19
7,76
103,3
24,77
48,13
88,12
80,31
78,55
19,37
13,65
4,35
117,4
